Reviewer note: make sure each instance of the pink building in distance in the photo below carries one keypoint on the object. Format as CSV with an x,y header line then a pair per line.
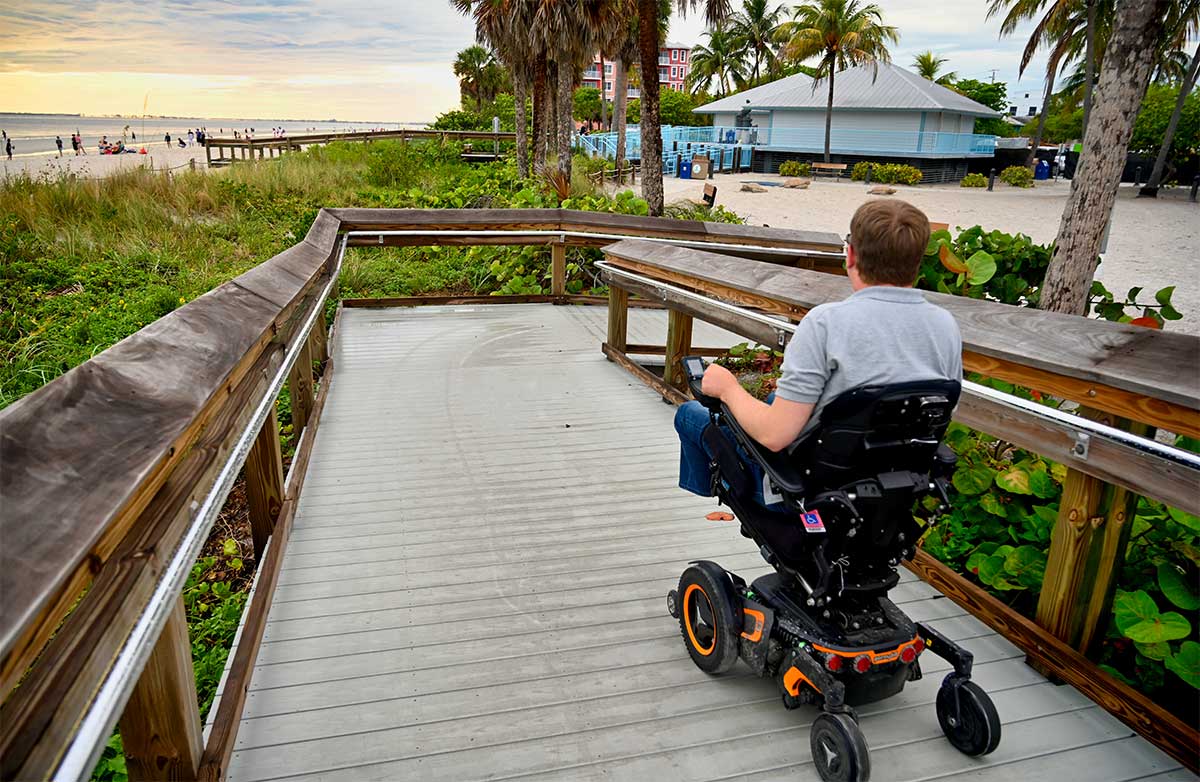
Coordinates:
x,y
674,61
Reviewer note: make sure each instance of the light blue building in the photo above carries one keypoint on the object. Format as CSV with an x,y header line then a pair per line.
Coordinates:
x,y
884,113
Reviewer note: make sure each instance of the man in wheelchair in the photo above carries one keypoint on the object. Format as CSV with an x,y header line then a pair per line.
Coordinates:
x,y
824,476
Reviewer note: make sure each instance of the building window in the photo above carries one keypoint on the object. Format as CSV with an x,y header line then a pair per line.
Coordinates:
x,y
608,86
674,72
607,67
1032,111
674,55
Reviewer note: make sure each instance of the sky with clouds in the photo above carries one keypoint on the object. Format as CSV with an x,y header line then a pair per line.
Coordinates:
x,y
320,59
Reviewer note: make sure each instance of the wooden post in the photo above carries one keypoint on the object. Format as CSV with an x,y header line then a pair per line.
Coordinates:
x,y
192,164
264,483
1087,549
208,154
558,268
618,317
300,387
679,344
160,728
318,340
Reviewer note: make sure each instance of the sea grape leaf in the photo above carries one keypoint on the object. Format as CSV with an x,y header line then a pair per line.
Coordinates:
x,y
951,261
1139,620
1015,480
972,480
991,503
1042,485
1186,663
1027,565
1175,587
1158,651
1186,519
981,267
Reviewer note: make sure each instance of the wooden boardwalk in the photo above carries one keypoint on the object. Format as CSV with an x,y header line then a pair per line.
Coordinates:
x,y
474,588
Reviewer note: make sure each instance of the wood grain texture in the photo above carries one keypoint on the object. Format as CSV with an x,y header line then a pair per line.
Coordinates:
x,y
618,317
160,727
300,388
264,483
558,269
1077,350
1156,724
679,344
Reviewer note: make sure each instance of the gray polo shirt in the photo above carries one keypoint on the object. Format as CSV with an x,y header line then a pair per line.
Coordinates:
x,y
877,336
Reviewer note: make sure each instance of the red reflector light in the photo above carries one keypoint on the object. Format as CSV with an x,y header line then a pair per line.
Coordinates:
x,y
862,663
908,654
833,662
919,645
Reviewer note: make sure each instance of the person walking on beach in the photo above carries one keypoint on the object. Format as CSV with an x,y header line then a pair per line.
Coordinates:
x,y
167,138
58,143
8,146
191,137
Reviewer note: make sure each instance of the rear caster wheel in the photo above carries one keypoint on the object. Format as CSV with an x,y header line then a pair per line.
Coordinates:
x,y
709,617
673,603
968,717
839,749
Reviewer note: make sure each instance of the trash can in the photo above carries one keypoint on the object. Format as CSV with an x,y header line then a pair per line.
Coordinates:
x,y
699,167
1041,170
685,169
730,136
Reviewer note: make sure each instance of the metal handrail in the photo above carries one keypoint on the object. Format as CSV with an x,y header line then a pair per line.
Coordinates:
x,y
97,723
1079,425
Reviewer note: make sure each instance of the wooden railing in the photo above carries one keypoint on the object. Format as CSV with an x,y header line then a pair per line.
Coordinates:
x,y
272,146
111,476
1119,372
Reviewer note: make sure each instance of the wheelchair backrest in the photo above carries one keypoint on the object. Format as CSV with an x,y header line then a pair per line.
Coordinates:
x,y
871,431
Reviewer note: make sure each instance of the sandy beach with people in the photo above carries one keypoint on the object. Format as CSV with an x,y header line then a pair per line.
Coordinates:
x,y
1153,243
158,156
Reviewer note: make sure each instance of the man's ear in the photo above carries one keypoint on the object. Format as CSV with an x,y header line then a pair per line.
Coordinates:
x,y
851,257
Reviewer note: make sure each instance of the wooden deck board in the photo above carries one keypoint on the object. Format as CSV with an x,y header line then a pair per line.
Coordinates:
x,y
475,587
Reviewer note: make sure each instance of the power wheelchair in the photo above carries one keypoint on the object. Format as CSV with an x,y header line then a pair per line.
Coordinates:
x,y
821,626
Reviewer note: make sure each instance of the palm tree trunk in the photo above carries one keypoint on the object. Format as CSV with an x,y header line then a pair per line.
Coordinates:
x,y
566,83
540,72
1128,63
1089,63
619,108
620,99
829,113
550,113
1160,163
519,94
652,182
1041,126
603,103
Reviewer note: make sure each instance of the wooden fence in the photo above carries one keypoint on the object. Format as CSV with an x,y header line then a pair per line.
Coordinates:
x,y
1120,373
271,147
111,476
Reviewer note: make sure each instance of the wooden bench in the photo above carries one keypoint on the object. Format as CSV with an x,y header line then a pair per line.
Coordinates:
x,y
832,169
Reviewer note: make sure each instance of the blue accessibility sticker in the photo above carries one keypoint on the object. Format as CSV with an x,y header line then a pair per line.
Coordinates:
x,y
812,521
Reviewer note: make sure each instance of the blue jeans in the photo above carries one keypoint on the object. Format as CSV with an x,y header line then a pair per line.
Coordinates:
x,y
695,475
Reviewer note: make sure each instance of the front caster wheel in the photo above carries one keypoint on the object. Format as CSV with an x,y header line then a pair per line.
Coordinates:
x,y
673,603
968,717
839,749
709,617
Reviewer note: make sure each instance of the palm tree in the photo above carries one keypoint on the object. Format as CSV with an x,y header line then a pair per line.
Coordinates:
x,y
474,67
754,29
649,43
719,60
504,25
1182,26
928,65
623,46
1128,64
841,33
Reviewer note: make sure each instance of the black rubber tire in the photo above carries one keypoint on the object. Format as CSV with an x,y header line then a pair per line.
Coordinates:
x,y
977,730
673,603
839,749
710,618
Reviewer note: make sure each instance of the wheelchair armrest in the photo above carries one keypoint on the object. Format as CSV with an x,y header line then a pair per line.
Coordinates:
x,y
778,466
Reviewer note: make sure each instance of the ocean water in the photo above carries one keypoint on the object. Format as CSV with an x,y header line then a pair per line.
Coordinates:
x,y
33,134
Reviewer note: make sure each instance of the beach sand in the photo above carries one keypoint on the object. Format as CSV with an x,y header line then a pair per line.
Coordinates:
x,y
158,156
1153,242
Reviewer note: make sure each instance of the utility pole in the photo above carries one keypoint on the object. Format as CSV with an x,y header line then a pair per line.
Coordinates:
x,y
993,75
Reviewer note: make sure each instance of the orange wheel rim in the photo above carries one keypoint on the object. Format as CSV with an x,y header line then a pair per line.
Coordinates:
x,y
687,619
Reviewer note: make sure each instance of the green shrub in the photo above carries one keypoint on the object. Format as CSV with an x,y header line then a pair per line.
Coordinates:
x,y
1017,176
973,180
886,173
792,168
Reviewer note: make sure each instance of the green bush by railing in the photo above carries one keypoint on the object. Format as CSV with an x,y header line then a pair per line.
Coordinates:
x,y
794,168
1017,176
973,180
886,173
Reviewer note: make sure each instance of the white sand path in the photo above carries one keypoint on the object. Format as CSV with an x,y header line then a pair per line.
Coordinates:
x,y
50,166
1153,242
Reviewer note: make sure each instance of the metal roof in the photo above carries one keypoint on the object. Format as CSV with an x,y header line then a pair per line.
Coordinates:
x,y
891,88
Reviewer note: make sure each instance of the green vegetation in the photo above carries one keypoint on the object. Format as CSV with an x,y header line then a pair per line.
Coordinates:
x,y
1017,176
973,180
794,168
886,173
